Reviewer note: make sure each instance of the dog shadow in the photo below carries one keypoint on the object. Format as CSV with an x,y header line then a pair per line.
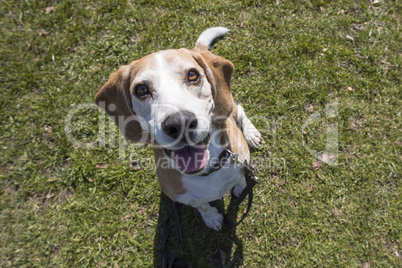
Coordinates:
x,y
200,245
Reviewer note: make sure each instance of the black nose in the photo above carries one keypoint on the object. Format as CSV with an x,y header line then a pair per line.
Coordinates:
x,y
180,125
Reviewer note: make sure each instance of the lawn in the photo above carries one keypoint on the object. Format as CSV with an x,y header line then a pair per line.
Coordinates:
x,y
320,79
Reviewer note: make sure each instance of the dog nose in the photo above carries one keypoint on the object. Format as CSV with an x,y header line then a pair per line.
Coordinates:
x,y
180,125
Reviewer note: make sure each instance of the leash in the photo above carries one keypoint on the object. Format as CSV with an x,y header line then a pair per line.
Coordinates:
x,y
251,180
173,262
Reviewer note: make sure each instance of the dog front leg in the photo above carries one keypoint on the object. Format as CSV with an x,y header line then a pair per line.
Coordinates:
x,y
212,218
250,132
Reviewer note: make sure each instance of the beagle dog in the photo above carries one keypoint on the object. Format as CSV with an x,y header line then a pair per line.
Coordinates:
x,y
178,100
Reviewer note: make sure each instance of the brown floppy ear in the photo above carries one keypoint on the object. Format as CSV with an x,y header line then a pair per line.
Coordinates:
x,y
114,99
219,72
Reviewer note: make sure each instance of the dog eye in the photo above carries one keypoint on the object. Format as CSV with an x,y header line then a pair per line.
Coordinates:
x,y
141,91
193,76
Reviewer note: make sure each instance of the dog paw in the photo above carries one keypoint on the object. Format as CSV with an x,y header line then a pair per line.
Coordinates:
x,y
238,189
214,221
253,137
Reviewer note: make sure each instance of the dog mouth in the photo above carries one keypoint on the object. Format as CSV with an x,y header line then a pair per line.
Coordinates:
x,y
190,159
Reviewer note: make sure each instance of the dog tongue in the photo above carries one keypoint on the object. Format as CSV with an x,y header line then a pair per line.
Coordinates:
x,y
190,159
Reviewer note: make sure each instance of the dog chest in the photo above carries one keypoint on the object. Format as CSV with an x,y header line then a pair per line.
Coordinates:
x,y
211,187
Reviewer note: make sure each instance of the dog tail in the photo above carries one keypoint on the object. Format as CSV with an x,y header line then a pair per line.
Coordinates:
x,y
207,37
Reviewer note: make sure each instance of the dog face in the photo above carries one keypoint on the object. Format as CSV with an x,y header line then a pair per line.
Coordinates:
x,y
173,96
170,99
171,93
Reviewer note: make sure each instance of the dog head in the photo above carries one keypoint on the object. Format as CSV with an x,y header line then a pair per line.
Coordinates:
x,y
171,99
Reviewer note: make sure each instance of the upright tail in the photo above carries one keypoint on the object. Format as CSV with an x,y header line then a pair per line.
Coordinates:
x,y
207,37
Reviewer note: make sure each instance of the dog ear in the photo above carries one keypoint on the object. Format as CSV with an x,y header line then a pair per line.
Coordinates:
x,y
114,99
218,72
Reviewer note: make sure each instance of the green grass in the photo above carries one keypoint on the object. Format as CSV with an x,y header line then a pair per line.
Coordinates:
x,y
60,208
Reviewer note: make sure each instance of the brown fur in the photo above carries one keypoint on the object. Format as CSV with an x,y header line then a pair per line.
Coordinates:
x,y
169,178
219,78
114,99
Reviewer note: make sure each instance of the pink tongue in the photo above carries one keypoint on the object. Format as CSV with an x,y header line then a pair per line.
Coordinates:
x,y
190,159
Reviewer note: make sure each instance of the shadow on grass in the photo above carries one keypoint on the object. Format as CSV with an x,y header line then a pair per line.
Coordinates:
x,y
201,246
